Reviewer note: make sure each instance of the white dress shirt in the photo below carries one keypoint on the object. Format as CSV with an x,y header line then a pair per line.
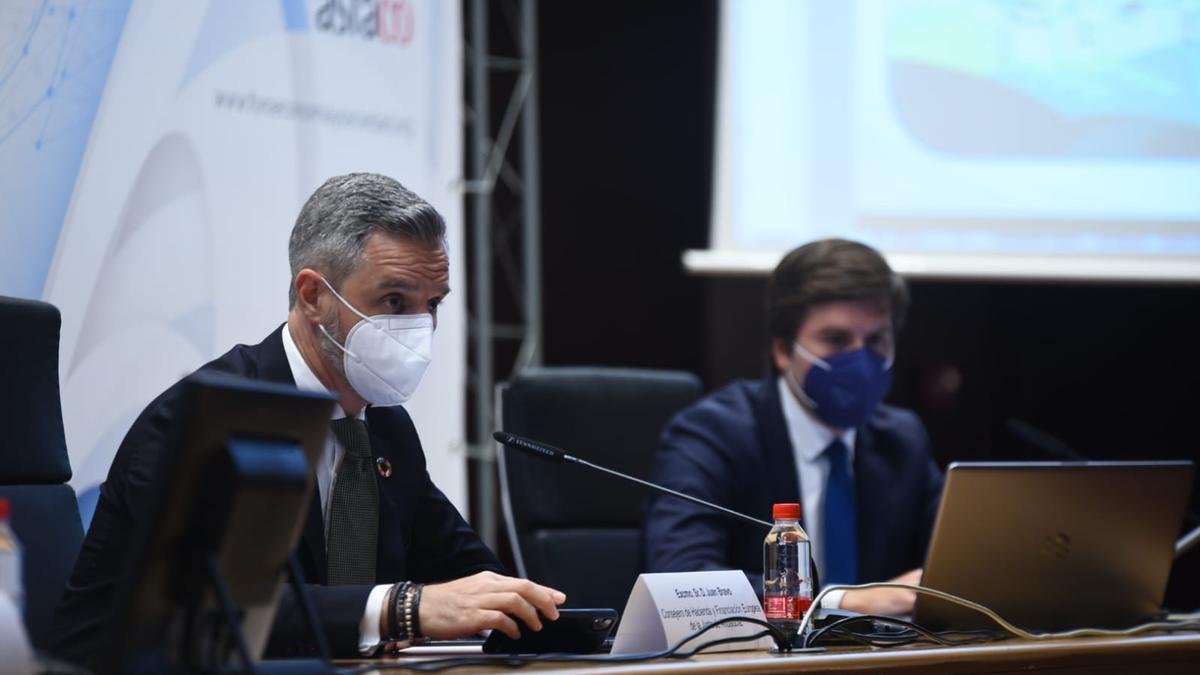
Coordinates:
x,y
809,439
326,470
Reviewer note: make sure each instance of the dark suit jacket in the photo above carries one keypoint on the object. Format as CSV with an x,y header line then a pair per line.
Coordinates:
x,y
733,448
422,537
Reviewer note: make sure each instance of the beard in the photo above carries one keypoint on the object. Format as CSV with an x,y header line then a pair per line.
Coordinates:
x,y
334,357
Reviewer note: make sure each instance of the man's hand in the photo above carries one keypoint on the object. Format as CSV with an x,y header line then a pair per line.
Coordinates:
x,y
887,601
485,600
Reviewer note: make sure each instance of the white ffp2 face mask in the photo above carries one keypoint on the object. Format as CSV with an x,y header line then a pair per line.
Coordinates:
x,y
385,355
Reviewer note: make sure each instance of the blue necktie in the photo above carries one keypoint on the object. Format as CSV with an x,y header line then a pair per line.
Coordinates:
x,y
840,526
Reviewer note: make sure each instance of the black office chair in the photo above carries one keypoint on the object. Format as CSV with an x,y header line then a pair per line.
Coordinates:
x,y
34,467
572,528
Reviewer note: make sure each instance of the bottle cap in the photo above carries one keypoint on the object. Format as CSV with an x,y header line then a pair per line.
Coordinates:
x,y
786,512
5,509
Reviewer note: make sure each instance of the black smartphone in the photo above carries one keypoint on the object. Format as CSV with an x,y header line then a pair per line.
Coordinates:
x,y
576,631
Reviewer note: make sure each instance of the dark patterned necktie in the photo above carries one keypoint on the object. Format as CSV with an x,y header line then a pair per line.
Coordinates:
x,y
840,526
353,508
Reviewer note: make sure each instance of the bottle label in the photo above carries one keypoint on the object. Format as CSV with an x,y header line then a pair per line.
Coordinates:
x,y
786,607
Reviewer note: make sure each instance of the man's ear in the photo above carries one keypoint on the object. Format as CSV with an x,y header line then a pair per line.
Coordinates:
x,y
781,353
308,294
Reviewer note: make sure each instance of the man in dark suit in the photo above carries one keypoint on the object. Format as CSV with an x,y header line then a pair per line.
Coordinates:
x,y
815,433
369,268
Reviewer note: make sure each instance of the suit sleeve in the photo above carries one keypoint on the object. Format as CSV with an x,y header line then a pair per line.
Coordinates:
x,y
339,610
679,536
125,507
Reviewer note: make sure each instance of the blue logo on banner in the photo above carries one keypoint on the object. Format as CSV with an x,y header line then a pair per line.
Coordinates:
x,y
295,15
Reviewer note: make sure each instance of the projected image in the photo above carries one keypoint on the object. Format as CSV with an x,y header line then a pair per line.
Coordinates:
x,y
1046,78
1066,132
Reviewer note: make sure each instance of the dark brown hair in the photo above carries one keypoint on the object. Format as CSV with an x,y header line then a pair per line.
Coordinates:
x,y
829,270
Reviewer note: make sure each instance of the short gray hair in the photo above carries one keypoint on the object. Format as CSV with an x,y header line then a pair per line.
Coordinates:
x,y
332,228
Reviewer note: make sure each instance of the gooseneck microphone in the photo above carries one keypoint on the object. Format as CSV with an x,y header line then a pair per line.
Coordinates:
x,y
553,454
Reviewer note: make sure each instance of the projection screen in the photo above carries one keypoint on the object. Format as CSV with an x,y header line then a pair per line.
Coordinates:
x,y
979,138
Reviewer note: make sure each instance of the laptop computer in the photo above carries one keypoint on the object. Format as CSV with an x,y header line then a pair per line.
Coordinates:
x,y
1053,546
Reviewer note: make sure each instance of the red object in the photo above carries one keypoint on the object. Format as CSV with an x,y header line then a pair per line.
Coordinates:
x,y
5,509
783,607
786,512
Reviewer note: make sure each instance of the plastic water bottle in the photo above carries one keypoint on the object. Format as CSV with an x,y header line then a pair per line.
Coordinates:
x,y
787,575
10,558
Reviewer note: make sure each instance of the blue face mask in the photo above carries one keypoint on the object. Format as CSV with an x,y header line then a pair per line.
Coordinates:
x,y
844,390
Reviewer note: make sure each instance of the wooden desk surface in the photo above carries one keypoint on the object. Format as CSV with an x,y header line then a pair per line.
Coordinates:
x,y
1176,653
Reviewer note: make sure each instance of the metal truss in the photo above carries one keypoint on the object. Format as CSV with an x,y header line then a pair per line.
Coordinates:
x,y
503,222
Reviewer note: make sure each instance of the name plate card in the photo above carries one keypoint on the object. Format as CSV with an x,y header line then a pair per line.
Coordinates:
x,y
665,608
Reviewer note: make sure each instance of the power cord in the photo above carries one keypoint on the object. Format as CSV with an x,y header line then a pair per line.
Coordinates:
x,y
1179,623
908,633
782,641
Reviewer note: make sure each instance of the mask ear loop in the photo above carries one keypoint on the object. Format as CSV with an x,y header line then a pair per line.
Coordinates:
x,y
812,358
349,306
321,327
824,365
791,376
369,320
346,351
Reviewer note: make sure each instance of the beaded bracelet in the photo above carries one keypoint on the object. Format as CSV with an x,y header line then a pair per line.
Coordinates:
x,y
397,629
408,605
416,627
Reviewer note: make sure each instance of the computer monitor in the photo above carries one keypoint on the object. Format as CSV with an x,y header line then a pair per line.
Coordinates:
x,y
1055,545
235,485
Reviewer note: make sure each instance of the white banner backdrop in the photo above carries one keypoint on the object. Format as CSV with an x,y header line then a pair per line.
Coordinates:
x,y
215,122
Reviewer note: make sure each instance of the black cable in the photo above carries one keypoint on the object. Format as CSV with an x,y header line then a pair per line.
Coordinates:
x,y
714,643
812,638
860,639
781,639
911,633
833,629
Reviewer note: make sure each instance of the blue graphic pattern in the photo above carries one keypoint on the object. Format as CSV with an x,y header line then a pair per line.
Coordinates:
x,y
55,58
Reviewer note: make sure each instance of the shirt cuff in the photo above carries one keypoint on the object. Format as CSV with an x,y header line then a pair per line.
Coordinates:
x,y
832,600
368,628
